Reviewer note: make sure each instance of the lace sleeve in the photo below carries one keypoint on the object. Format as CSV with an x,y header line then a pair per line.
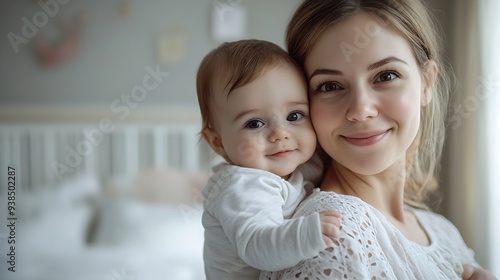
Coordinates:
x,y
355,254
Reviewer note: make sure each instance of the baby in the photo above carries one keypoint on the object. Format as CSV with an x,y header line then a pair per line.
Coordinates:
x,y
255,111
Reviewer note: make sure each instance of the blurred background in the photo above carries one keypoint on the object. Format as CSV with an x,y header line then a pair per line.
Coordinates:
x,y
99,126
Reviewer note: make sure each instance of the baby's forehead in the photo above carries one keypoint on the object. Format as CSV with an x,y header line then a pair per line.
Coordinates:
x,y
277,87
254,91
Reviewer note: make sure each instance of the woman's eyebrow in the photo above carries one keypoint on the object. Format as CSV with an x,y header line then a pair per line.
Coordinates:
x,y
324,71
384,62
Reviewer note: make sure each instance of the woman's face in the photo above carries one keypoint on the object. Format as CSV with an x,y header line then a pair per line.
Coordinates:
x,y
365,92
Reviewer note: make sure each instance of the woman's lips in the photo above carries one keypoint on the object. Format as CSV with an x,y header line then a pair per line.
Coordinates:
x,y
365,138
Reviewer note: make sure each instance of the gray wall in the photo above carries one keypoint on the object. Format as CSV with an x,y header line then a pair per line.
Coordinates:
x,y
115,50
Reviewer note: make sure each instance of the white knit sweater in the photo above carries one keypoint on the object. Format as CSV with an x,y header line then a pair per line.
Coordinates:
x,y
370,247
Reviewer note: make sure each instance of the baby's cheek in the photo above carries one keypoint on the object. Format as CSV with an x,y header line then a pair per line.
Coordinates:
x,y
246,151
313,137
310,139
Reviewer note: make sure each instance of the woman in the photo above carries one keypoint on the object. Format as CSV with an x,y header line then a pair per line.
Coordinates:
x,y
377,94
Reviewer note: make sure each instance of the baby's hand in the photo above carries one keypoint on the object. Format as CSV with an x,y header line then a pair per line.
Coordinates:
x,y
471,272
330,226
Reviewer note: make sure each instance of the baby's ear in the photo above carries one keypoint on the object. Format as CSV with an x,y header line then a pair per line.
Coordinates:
x,y
213,139
430,76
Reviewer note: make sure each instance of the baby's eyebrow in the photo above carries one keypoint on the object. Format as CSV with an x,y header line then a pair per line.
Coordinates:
x,y
243,113
292,103
305,102
324,71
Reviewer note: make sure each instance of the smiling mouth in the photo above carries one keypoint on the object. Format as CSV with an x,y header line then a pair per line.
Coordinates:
x,y
366,139
282,154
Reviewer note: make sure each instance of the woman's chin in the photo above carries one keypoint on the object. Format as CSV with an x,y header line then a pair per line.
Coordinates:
x,y
366,167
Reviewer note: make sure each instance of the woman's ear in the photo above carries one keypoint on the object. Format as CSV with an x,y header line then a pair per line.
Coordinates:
x,y
213,139
430,76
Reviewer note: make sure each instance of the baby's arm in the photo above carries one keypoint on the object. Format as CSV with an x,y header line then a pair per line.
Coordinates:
x,y
351,256
250,212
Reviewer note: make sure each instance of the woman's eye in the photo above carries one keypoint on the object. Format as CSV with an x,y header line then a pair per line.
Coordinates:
x,y
387,76
254,124
295,116
329,86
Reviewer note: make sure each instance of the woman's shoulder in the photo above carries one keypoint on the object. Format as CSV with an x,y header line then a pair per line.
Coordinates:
x,y
445,236
356,253
318,201
435,222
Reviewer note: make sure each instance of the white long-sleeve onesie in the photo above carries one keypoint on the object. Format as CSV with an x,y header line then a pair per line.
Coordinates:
x,y
246,226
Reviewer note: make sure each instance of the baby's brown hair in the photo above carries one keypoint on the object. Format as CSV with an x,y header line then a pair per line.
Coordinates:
x,y
232,65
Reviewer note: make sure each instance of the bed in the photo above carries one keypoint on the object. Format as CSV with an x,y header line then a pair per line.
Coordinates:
x,y
127,206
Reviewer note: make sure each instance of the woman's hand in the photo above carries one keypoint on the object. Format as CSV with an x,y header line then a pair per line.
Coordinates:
x,y
330,226
474,273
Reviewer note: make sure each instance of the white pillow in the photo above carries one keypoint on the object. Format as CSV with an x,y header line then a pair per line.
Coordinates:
x,y
69,193
165,186
55,219
54,231
166,229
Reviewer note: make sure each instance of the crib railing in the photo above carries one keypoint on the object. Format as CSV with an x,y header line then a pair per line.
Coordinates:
x,y
44,154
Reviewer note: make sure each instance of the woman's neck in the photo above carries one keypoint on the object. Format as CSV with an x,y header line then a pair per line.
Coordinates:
x,y
383,191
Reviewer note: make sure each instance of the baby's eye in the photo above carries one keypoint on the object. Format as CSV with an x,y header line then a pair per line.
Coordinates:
x,y
328,86
387,76
294,116
253,124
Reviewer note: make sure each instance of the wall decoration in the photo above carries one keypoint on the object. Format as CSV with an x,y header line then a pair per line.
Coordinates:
x,y
52,54
125,9
172,46
229,21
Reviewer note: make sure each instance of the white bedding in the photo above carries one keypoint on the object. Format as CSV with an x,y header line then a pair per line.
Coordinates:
x,y
131,240
106,264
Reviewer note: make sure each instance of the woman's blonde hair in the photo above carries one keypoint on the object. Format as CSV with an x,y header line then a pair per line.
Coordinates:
x,y
414,22
232,65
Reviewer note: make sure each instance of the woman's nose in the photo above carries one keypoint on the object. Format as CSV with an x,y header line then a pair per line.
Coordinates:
x,y
362,105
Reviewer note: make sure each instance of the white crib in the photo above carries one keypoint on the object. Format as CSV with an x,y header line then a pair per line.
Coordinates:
x,y
44,154
71,224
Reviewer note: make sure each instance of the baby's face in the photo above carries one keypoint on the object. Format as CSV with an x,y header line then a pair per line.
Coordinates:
x,y
265,124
